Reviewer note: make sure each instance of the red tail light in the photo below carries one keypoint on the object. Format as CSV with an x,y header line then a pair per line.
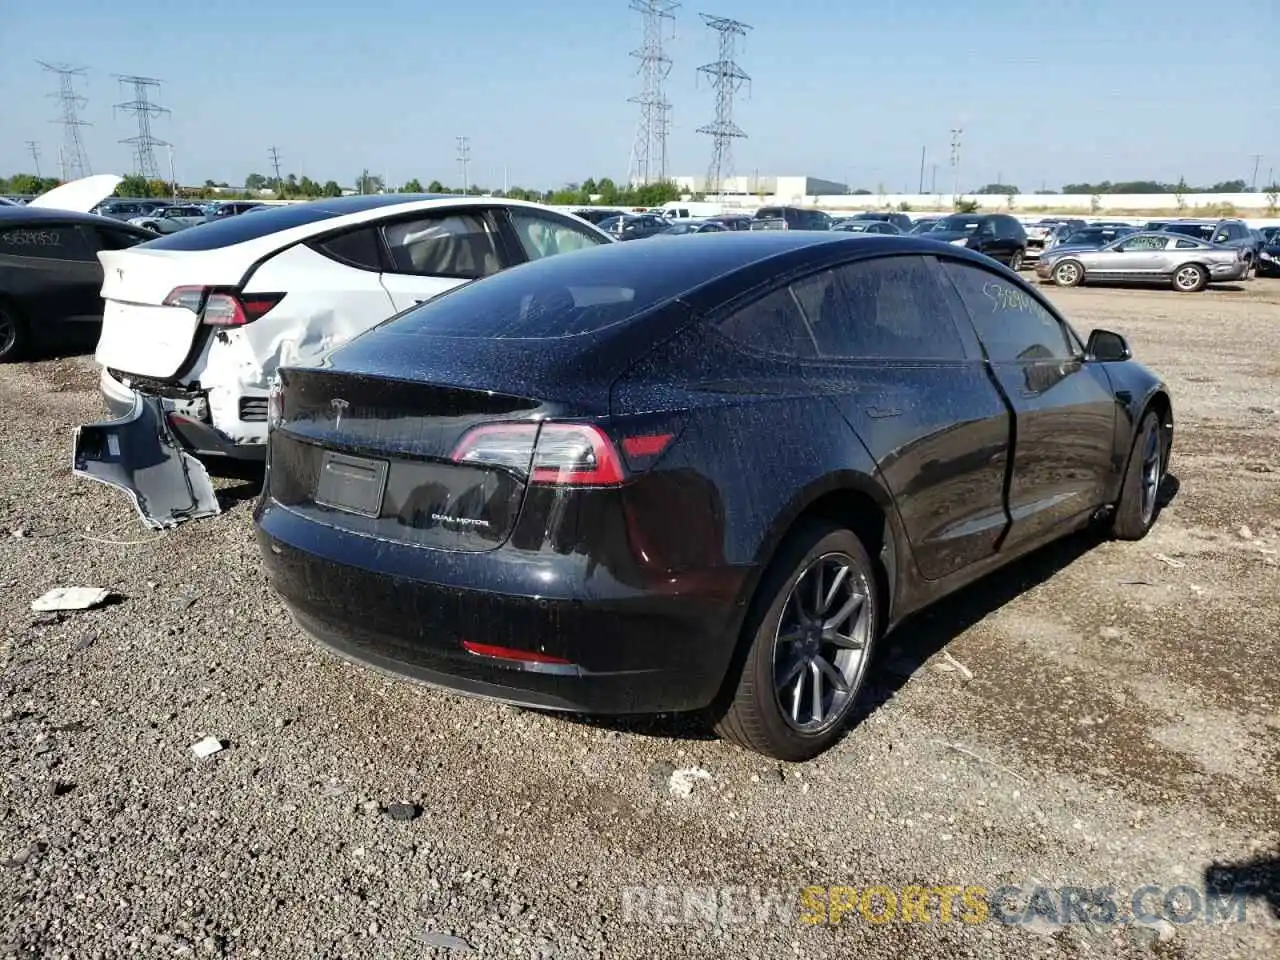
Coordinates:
x,y
222,308
567,454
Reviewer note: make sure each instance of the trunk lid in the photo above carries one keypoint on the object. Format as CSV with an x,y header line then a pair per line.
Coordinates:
x,y
140,335
376,456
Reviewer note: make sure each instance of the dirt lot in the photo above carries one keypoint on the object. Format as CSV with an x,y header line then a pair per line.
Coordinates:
x,y
1114,723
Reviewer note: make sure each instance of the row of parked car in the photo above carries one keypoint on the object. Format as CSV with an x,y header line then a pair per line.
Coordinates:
x,y
512,457
1188,254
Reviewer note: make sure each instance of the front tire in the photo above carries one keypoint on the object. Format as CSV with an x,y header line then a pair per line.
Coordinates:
x,y
809,636
1190,278
1015,261
1068,273
1140,491
13,334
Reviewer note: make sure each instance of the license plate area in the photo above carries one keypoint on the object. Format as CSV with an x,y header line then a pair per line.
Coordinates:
x,y
351,484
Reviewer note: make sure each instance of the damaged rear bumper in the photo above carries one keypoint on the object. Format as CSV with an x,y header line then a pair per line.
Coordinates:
x,y
187,413
139,454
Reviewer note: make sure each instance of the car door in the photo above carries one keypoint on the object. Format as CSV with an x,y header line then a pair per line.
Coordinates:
x,y
1064,408
913,385
437,250
1139,257
54,274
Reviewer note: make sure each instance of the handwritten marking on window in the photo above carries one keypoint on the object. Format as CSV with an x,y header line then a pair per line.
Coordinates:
x,y
1005,297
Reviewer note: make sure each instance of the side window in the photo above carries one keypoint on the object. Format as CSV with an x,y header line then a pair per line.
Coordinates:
x,y
455,244
772,324
1012,323
1184,244
545,237
1145,242
354,248
51,242
887,308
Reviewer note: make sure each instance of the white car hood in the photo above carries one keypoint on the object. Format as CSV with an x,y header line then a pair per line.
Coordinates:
x,y
79,195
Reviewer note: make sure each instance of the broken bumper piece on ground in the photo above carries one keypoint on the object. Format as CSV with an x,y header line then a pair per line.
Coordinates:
x,y
140,455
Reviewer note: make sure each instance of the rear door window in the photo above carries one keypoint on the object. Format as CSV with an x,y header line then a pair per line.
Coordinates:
x,y
45,242
887,308
455,243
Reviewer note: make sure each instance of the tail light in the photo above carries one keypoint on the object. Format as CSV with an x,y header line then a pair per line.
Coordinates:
x,y
564,454
218,307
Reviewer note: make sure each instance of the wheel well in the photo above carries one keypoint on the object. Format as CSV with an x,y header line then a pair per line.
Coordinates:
x,y
1163,409
849,508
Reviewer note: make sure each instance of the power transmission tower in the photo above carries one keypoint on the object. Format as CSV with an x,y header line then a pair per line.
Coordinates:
x,y
649,152
74,162
956,134
145,143
464,158
35,155
727,79
274,154
1253,183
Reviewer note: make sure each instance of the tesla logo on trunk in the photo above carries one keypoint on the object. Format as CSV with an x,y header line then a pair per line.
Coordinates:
x,y
340,407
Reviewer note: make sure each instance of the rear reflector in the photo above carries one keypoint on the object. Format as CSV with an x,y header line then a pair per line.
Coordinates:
x,y
649,446
564,454
509,653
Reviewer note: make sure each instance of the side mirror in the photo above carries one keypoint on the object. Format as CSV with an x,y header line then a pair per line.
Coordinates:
x,y
1107,347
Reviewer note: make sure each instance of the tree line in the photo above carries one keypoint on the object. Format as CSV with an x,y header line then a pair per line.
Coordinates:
x,y
603,191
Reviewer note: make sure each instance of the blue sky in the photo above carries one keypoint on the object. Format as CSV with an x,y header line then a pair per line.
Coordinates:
x,y
1046,93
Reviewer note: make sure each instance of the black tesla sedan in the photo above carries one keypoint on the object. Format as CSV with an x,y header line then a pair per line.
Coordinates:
x,y
696,472
50,277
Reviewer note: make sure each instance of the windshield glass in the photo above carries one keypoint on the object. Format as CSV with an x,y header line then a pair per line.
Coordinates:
x,y
1201,231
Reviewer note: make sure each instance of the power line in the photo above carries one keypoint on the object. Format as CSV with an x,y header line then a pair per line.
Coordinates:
x,y
145,143
649,151
274,154
35,155
464,158
73,158
956,135
727,79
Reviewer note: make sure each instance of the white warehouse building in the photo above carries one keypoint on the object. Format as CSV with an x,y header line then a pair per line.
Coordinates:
x,y
785,189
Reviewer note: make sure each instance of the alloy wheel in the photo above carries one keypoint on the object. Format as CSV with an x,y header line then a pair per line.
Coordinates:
x,y
1188,278
1067,274
822,644
1152,469
8,333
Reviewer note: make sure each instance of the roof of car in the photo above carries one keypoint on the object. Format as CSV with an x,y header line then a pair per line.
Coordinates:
x,y
25,214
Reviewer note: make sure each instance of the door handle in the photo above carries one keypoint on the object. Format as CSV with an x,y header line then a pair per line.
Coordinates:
x,y
883,413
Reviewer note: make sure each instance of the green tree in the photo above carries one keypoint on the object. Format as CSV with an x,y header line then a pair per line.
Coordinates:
x,y
413,186
255,181
965,206
1273,199
133,186
309,188
24,184
435,186
589,188
608,191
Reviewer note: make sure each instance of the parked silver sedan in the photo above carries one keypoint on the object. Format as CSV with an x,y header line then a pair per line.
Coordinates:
x,y
1186,263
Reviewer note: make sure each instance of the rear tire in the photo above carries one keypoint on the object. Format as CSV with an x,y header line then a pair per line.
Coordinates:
x,y
1190,278
1015,261
13,334
813,622
1140,491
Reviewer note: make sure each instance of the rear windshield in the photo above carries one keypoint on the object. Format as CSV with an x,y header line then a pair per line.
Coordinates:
x,y
225,231
957,225
565,296
1201,231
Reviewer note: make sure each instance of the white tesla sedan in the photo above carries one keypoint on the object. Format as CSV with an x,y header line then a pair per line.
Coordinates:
x,y
195,324
202,318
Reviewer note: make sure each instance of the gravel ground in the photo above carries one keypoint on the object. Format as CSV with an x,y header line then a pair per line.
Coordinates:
x,y
1113,721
